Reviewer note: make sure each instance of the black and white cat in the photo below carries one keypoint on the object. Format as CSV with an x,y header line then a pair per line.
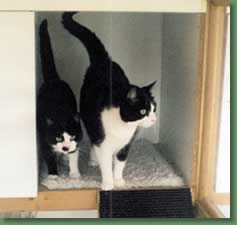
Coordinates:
x,y
111,108
58,122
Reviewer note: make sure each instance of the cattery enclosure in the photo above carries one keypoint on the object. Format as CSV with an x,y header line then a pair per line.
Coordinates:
x,y
168,47
141,43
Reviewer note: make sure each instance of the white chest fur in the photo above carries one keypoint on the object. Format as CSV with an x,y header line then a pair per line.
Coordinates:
x,y
117,132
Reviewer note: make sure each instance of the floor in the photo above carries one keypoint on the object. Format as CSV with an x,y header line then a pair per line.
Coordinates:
x,y
53,214
68,214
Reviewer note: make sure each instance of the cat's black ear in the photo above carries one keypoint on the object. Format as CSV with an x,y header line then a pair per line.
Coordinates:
x,y
150,86
49,122
132,94
76,118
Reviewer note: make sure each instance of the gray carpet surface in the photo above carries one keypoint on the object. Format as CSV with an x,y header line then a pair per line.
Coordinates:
x,y
145,167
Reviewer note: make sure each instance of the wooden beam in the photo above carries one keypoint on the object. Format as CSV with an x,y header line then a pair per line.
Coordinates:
x,y
212,76
52,200
17,204
207,209
220,198
199,108
220,2
67,200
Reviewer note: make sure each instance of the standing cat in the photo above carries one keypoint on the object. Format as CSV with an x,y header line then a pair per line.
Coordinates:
x,y
111,108
58,122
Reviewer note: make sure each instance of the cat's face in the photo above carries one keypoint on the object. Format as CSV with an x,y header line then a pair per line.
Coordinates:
x,y
139,107
64,137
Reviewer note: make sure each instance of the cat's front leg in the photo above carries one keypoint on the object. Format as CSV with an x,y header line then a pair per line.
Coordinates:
x,y
118,172
119,164
105,156
73,165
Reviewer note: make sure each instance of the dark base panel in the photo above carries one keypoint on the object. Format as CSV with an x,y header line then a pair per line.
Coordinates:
x,y
170,203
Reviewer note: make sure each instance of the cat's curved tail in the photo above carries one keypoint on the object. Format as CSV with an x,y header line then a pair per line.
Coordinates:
x,y
95,48
47,59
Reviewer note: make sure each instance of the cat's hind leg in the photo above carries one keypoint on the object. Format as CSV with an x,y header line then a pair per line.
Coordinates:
x,y
93,158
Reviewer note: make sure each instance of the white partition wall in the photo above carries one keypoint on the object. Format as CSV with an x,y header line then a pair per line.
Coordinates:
x,y
18,154
180,54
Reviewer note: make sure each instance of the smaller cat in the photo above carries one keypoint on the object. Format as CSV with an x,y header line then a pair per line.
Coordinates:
x,y
58,121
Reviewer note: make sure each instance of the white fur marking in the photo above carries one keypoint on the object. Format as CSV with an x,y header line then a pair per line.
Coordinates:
x,y
71,145
104,156
117,134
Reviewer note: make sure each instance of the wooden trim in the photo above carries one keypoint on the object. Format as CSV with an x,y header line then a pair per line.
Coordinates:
x,y
68,199
210,100
220,198
220,2
207,209
52,200
17,204
198,108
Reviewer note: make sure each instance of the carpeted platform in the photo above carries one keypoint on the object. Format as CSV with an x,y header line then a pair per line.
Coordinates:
x,y
146,167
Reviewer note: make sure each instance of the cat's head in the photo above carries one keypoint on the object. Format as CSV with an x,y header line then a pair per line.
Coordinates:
x,y
63,136
139,107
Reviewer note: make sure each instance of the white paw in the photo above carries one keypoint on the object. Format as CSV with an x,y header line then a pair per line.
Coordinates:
x,y
119,182
74,174
93,163
107,185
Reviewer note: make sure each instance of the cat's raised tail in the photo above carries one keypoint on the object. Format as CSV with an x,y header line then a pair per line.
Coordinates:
x,y
46,54
95,48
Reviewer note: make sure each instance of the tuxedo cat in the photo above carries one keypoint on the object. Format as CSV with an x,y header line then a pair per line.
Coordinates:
x,y
112,108
58,122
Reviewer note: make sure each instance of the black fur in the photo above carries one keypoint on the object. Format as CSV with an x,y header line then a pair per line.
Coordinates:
x,y
105,85
56,104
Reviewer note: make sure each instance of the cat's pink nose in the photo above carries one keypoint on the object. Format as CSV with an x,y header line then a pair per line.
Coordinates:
x,y
153,119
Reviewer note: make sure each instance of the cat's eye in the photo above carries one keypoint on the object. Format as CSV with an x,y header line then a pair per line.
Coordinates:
x,y
58,139
73,138
143,111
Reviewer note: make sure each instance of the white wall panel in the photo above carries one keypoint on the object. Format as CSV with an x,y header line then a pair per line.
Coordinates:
x,y
107,5
18,154
181,35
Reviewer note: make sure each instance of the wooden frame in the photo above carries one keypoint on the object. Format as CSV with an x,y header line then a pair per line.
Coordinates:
x,y
220,2
207,209
208,112
85,199
206,127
